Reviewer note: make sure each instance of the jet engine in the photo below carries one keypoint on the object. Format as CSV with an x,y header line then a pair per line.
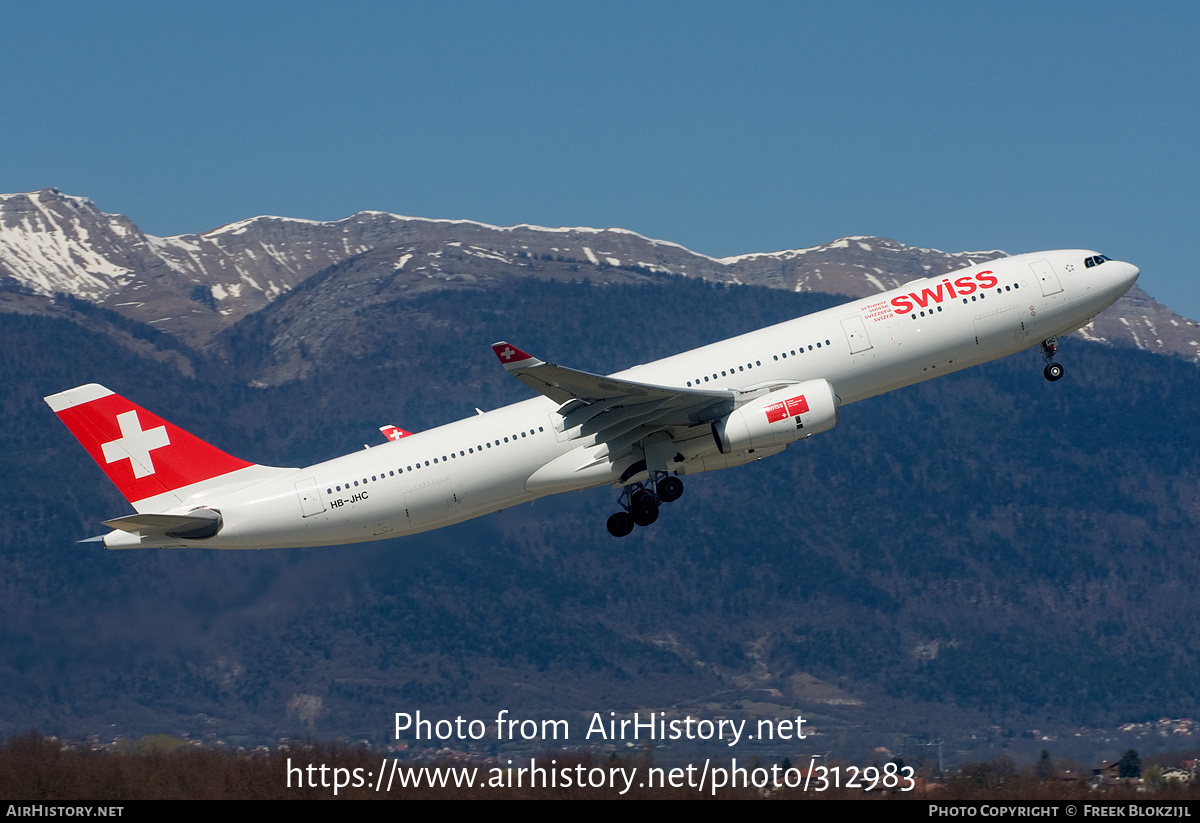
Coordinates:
x,y
781,417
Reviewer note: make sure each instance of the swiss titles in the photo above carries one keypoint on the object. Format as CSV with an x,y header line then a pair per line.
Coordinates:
x,y
877,311
945,289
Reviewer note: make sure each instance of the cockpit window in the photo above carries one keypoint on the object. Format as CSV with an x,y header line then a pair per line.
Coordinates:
x,y
1097,260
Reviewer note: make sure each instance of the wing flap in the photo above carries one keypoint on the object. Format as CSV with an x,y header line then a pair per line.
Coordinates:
x,y
617,413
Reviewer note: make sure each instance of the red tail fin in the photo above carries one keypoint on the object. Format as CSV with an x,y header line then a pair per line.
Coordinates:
x,y
142,454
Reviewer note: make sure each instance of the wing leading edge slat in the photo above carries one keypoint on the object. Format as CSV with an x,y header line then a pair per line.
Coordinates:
x,y
679,406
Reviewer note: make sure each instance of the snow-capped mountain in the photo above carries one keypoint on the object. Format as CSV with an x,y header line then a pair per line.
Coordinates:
x,y
195,285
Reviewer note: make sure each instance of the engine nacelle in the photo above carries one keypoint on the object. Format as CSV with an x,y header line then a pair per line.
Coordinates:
x,y
781,417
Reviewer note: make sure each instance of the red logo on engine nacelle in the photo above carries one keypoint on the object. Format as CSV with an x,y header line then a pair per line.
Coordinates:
x,y
963,286
785,409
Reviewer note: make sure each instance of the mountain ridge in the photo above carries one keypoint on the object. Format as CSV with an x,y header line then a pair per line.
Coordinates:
x,y
195,286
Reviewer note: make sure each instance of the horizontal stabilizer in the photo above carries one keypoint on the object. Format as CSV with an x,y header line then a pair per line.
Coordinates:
x,y
195,524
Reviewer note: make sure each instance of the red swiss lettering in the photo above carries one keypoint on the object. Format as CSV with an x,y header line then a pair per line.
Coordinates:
x,y
965,285
776,412
926,295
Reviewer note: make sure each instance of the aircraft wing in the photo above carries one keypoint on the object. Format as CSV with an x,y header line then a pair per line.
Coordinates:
x,y
611,407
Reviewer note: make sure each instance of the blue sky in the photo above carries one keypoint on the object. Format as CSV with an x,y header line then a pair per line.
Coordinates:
x,y
726,128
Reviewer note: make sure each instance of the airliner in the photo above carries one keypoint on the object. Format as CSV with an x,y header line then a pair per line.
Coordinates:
x,y
639,431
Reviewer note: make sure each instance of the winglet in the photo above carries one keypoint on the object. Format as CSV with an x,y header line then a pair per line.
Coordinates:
x,y
394,432
513,358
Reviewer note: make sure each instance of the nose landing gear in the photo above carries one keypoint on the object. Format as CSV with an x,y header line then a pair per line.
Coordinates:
x,y
1053,371
640,502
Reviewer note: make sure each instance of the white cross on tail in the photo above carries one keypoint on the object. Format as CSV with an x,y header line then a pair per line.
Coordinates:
x,y
135,444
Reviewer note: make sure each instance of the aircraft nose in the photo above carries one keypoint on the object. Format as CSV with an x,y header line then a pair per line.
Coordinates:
x,y
1131,274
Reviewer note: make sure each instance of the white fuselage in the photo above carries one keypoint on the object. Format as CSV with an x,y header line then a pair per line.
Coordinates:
x,y
518,453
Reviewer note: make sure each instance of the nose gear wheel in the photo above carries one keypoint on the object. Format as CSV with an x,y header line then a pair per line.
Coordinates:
x,y
1053,371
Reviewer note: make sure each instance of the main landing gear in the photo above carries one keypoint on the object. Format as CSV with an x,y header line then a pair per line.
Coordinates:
x,y
640,502
1053,371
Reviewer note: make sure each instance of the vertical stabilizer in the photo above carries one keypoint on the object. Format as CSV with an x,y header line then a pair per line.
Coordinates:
x,y
142,454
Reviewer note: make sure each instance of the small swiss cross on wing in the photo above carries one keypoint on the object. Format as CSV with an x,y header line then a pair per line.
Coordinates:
x,y
509,354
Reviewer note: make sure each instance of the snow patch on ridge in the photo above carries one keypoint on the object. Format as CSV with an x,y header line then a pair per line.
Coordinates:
x,y
48,256
875,281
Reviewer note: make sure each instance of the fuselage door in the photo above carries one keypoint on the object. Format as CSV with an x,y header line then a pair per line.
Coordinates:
x,y
1044,272
310,497
856,334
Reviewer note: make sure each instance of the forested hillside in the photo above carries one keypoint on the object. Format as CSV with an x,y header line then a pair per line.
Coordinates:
x,y
986,545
